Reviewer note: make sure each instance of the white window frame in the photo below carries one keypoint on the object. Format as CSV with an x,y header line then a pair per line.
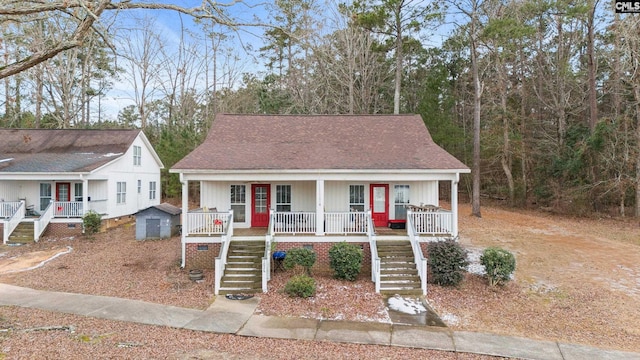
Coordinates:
x,y
238,201
137,155
356,197
283,198
77,191
399,201
139,186
152,190
121,192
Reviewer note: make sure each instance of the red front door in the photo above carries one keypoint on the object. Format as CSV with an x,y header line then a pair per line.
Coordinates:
x,y
260,209
380,204
63,192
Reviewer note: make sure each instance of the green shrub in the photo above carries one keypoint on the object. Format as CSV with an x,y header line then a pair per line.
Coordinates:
x,y
345,260
499,265
91,222
300,256
300,286
447,262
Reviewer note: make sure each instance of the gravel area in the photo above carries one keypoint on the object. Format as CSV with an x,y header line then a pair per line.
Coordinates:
x,y
566,288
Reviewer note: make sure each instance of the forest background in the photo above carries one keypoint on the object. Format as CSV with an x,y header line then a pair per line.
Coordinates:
x,y
541,98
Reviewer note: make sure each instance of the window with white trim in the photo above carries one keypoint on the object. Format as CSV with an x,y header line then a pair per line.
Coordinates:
x,y
401,201
77,192
152,190
238,203
356,197
45,195
283,197
139,186
121,192
137,155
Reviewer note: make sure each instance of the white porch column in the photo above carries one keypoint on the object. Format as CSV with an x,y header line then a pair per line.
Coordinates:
x,y
185,210
319,207
454,205
85,196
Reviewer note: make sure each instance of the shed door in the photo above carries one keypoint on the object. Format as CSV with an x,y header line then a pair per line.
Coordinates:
x,y
260,209
380,204
153,228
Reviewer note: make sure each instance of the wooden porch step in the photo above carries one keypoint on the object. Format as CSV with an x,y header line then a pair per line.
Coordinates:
x,y
23,234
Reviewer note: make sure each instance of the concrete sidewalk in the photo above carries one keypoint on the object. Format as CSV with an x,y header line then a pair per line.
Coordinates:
x,y
237,317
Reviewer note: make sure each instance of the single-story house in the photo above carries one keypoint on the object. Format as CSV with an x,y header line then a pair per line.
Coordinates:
x,y
158,222
50,178
313,181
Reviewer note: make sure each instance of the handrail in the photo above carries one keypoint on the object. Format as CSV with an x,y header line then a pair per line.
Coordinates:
x,y
420,260
41,223
13,221
266,259
375,259
221,260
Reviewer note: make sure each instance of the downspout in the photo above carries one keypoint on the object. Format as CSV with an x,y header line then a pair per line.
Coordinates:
x,y
185,209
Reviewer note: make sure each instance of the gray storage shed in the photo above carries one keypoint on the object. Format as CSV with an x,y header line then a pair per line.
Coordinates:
x,y
158,222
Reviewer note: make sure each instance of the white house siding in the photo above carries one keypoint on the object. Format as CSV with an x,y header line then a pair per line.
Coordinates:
x,y
8,191
124,170
216,194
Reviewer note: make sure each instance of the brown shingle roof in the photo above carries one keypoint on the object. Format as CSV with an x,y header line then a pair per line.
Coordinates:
x,y
299,142
68,150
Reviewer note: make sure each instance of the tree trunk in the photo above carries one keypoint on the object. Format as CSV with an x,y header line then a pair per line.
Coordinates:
x,y
477,92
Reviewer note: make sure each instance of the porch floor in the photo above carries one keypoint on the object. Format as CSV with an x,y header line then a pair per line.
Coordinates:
x,y
259,231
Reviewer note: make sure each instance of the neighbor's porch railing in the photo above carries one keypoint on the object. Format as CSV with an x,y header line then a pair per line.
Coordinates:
x,y
67,209
432,222
206,223
8,208
13,222
220,262
418,257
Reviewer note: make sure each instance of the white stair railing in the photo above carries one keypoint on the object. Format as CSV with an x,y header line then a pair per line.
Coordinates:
x,y
373,246
419,259
40,224
13,222
221,261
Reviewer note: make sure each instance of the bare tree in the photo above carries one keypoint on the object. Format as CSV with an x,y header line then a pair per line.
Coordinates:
x,y
86,15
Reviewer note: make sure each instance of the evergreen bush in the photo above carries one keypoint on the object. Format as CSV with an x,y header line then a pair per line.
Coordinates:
x,y
91,222
300,286
499,264
346,260
302,257
447,262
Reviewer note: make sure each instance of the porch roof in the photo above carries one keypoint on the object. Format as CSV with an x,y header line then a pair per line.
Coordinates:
x,y
61,150
323,142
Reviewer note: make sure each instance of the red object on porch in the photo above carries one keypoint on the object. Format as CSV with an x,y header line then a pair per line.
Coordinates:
x,y
397,224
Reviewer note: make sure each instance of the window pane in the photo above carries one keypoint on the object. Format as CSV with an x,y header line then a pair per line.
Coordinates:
x,y
401,200
283,198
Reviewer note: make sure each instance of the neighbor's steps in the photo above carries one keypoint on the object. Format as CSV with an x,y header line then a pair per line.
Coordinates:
x,y
243,272
398,272
23,234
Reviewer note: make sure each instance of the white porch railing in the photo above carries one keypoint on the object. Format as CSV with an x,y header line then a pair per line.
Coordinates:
x,y
221,261
346,223
13,221
432,222
67,209
375,259
266,260
40,224
293,222
8,208
206,223
418,257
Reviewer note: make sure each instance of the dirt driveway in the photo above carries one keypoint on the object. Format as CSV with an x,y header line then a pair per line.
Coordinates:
x,y
577,280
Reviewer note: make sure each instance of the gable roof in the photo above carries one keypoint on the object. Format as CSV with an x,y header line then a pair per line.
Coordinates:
x,y
61,150
307,142
164,207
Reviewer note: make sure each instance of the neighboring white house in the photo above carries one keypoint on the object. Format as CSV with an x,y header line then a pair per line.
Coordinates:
x,y
50,178
314,181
